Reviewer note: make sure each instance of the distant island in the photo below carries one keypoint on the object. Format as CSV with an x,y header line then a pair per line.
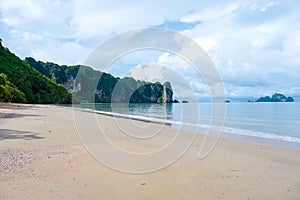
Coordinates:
x,y
275,98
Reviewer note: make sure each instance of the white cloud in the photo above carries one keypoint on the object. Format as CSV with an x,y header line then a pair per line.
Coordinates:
x,y
173,61
45,49
211,13
66,53
206,44
254,53
161,73
151,73
254,44
80,20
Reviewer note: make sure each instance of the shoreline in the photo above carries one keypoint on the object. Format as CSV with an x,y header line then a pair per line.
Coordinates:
x,y
262,139
50,162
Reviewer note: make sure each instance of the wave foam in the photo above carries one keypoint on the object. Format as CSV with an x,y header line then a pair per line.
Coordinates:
x,y
258,134
203,127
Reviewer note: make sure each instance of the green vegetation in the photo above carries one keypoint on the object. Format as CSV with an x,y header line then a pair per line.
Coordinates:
x,y
9,92
95,86
23,84
32,81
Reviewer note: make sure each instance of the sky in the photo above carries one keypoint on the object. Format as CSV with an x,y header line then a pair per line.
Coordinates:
x,y
254,44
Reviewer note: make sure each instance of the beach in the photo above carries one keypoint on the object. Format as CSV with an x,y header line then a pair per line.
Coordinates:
x,y
42,156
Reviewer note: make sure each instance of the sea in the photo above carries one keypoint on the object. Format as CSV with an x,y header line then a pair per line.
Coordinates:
x,y
268,123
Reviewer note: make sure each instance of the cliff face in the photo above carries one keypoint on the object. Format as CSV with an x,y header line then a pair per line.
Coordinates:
x,y
146,92
275,98
109,88
167,93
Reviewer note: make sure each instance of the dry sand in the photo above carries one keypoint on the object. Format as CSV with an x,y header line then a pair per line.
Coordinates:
x,y
42,157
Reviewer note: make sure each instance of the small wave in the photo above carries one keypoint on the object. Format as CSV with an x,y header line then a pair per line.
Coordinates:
x,y
202,127
258,134
244,132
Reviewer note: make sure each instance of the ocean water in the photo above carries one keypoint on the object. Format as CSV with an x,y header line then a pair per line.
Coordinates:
x,y
260,122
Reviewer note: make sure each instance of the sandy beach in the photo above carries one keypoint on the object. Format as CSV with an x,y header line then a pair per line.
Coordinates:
x,y
43,157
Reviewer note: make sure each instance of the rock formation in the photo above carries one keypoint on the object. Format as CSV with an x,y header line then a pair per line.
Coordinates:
x,y
275,98
167,93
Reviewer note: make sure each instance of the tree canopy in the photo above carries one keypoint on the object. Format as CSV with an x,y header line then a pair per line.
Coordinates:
x,y
21,77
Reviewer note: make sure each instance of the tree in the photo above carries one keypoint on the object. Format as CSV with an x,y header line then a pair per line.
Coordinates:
x,y
36,87
9,92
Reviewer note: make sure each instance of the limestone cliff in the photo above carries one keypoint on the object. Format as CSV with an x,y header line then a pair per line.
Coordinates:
x,y
109,89
167,93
